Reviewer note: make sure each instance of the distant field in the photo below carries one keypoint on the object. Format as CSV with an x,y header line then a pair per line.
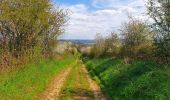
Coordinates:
x,y
27,83
136,81
79,41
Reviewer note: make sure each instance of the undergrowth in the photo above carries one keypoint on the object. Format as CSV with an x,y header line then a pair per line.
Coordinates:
x,y
137,81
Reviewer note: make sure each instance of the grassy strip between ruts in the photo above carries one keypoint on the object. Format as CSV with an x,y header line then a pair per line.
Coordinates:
x,y
76,85
136,81
29,82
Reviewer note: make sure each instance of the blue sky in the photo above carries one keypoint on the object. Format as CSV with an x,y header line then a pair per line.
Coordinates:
x,y
89,17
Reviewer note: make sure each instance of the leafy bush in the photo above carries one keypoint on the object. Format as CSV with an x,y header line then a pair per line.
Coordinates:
x,y
24,26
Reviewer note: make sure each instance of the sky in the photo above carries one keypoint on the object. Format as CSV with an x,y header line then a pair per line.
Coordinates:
x,y
89,17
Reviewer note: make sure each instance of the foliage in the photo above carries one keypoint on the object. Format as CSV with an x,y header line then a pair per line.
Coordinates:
x,y
28,25
137,39
106,46
135,42
158,10
98,48
113,45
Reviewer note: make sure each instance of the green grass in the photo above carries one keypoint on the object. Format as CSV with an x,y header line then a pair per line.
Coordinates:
x,y
76,85
136,81
29,82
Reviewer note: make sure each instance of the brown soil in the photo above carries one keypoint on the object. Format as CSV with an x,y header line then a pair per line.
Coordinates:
x,y
55,86
95,87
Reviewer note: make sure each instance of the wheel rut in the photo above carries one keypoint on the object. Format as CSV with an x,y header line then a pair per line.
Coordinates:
x,y
54,88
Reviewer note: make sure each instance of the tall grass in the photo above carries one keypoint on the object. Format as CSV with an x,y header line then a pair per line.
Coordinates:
x,y
136,81
9,61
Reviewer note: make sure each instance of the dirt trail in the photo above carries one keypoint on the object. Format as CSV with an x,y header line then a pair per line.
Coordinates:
x,y
55,86
54,90
95,87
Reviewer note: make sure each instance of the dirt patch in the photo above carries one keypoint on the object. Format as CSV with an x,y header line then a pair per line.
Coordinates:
x,y
55,86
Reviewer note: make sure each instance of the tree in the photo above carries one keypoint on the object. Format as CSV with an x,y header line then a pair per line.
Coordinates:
x,y
26,24
98,48
56,21
113,44
137,39
159,11
28,30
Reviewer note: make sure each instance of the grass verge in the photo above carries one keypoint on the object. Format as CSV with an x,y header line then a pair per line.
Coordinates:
x,y
136,81
29,82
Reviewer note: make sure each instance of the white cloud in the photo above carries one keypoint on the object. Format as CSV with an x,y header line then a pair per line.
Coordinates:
x,y
85,23
115,3
102,3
